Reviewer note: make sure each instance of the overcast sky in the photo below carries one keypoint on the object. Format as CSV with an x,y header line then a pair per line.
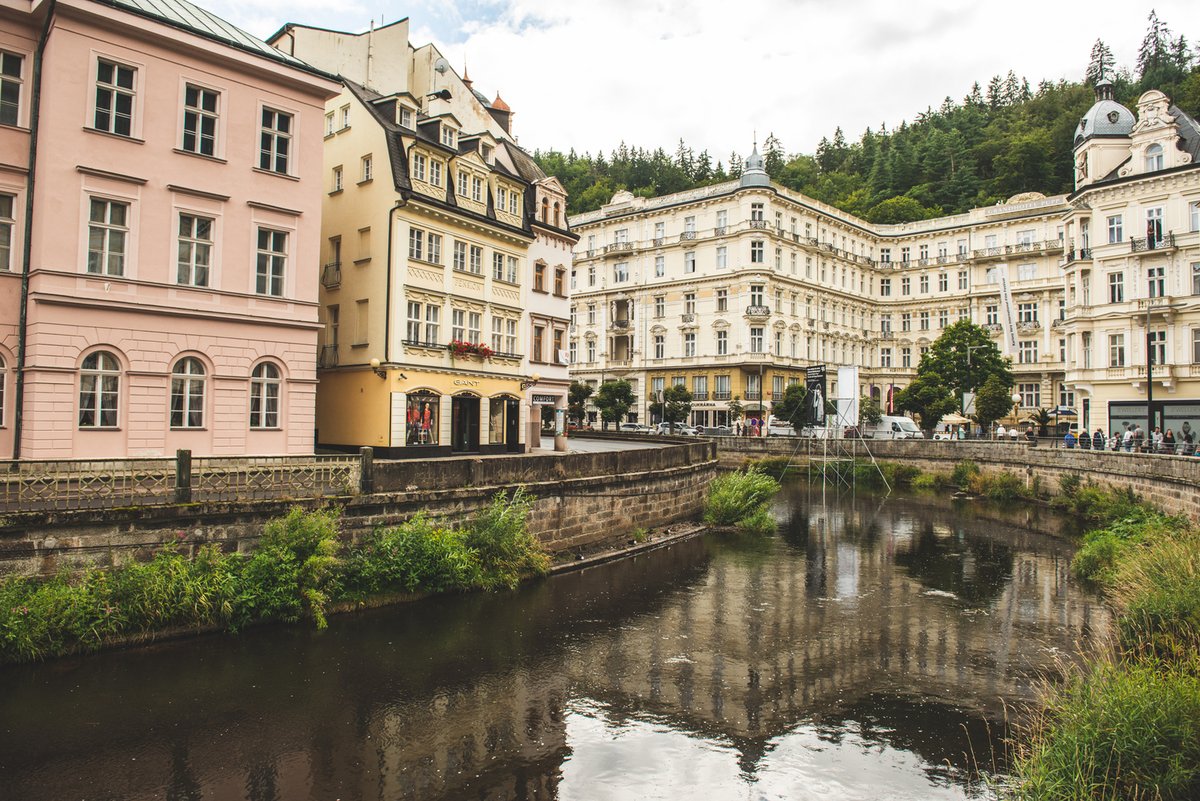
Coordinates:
x,y
591,74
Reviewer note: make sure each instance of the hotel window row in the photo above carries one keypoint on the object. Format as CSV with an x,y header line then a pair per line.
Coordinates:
x,y
116,108
100,377
108,246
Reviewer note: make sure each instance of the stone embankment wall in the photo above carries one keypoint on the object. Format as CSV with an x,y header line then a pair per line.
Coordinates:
x,y
583,500
1170,482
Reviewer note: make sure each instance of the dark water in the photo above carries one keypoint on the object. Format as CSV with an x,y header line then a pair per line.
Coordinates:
x,y
865,652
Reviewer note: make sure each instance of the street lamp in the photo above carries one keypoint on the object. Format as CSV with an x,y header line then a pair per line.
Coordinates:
x,y
1016,399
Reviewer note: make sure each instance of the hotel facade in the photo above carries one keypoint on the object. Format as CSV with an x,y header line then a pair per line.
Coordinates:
x,y
158,247
732,290
446,258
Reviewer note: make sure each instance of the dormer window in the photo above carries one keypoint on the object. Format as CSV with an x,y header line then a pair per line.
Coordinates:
x,y
405,117
1154,158
485,150
418,167
448,136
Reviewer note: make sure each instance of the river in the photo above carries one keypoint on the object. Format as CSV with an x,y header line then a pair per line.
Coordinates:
x,y
869,650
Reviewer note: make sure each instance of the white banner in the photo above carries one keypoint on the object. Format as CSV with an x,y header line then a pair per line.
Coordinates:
x,y
1010,315
847,378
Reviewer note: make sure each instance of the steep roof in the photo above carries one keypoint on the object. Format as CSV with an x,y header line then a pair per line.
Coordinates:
x,y
1189,132
186,16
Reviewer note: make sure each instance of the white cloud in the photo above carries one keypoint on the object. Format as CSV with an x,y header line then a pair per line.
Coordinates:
x,y
590,75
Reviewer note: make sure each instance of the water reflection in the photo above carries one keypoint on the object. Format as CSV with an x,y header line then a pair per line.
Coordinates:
x,y
870,645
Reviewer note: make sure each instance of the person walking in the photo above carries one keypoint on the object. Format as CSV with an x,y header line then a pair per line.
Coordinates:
x,y
1156,440
1139,439
1169,444
1127,438
1069,440
1098,440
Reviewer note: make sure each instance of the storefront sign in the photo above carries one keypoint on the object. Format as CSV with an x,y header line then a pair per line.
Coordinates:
x,y
544,400
465,382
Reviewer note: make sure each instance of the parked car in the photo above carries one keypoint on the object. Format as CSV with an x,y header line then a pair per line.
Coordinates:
x,y
681,429
714,431
635,428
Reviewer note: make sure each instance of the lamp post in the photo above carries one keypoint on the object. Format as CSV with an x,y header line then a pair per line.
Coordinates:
x,y
1016,399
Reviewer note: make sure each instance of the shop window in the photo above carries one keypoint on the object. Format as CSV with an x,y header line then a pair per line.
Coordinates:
x,y
422,419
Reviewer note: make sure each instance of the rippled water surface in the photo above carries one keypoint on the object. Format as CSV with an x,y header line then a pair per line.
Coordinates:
x,y
867,651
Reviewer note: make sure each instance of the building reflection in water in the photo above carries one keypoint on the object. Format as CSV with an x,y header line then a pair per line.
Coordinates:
x,y
868,642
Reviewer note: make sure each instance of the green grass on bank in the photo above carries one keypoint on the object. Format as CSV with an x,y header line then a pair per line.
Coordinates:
x,y
740,499
300,567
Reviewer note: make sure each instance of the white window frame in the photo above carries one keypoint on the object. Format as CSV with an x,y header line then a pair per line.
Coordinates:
x,y
202,114
278,136
108,228
17,79
135,106
195,244
99,391
184,381
266,395
272,282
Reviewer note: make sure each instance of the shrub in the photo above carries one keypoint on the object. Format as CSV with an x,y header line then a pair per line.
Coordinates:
x,y
416,555
963,472
736,496
1119,731
1005,486
1157,585
291,568
760,522
1069,485
501,541
1102,549
774,466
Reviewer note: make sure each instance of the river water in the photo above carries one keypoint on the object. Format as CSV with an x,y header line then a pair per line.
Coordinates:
x,y
867,651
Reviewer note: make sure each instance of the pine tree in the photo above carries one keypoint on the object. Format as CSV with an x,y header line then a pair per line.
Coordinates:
x,y
773,155
1152,55
1101,64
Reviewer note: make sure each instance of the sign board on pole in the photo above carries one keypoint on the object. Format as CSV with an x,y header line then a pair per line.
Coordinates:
x,y
847,378
968,403
814,382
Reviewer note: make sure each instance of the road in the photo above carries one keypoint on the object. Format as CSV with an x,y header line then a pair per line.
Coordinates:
x,y
582,445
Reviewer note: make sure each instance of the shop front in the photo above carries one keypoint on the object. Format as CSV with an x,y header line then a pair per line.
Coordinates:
x,y
547,414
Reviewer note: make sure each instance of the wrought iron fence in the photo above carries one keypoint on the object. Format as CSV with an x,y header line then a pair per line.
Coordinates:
x,y
73,484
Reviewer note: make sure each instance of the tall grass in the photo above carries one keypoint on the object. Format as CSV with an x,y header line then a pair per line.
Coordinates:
x,y
741,497
299,569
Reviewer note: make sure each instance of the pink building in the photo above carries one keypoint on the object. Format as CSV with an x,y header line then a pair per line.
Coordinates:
x,y
173,263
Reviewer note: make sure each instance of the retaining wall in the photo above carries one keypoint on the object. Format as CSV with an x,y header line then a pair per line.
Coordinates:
x,y
583,500
1170,482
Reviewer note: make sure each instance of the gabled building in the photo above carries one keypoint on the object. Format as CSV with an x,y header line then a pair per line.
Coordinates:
x,y
435,256
159,193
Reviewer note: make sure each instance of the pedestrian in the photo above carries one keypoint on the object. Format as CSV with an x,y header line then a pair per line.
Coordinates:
x,y
1156,440
1127,438
1000,432
1139,439
1013,433
1030,437
1069,440
1098,440
962,433
1169,444
1085,440
1189,441
754,426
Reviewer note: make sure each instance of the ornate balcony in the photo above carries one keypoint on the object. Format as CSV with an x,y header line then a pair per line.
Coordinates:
x,y
1028,326
658,241
758,311
687,317
687,236
758,224
619,247
328,357
1147,244
619,325
994,329
699,396
719,230
722,395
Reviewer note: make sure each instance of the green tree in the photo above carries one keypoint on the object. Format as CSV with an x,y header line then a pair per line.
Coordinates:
x,y
675,407
614,400
947,359
869,413
929,398
793,406
993,401
577,396
736,410
1101,64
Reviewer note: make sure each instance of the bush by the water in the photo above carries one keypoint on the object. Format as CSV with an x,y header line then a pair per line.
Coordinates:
x,y
1157,587
738,496
1116,732
1092,505
298,569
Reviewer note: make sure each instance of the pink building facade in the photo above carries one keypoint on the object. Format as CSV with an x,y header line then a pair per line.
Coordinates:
x,y
173,261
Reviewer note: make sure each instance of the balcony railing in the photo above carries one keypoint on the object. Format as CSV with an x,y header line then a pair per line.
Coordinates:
x,y
620,325
699,396
687,236
619,247
886,335
331,275
1163,242
758,224
753,395
719,230
720,395
328,357
687,317
1082,254
658,241
758,311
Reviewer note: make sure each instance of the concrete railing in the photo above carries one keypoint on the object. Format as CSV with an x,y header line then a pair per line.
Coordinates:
x,y
1170,482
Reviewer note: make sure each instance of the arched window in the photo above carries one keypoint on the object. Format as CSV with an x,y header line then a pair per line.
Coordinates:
x,y
187,394
99,390
264,396
557,223
1154,158
545,210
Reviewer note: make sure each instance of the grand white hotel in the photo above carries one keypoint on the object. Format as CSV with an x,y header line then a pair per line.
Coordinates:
x,y
733,289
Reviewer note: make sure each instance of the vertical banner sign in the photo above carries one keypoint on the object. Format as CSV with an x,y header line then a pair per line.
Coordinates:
x,y
814,382
1010,317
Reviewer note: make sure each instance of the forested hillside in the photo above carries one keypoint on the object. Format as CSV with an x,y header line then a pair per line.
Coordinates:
x,y
1000,139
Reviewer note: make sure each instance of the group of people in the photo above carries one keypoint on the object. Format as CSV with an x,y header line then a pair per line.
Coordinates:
x,y
747,428
1133,439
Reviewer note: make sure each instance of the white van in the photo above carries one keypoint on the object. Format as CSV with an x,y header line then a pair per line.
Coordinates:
x,y
779,428
896,428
